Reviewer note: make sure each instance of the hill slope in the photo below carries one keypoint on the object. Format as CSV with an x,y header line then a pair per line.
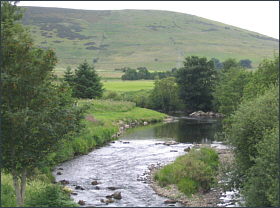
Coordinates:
x,y
158,40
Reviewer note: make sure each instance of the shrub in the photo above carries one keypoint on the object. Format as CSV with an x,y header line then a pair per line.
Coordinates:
x,y
51,196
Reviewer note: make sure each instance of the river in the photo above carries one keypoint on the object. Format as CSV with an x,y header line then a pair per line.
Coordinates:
x,y
121,164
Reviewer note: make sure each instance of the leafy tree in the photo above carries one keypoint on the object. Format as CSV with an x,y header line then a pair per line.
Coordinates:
x,y
143,73
165,95
262,187
37,111
86,82
229,63
218,64
249,133
229,90
266,75
245,63
130,74
196,83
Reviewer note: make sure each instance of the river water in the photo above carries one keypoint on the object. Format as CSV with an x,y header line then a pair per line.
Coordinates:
x,y
121,164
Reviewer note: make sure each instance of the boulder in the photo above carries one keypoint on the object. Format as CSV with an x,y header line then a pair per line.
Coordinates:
x,y
173,150
187,149
117,195
109,201
170,143
170,202
79,187
81,202
59,173
64,182
145,123
94,182
111,188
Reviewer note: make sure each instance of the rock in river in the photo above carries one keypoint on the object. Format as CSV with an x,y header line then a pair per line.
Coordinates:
x,y
117,195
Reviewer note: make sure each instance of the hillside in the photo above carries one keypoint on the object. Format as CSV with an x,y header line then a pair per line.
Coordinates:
x,y
158,40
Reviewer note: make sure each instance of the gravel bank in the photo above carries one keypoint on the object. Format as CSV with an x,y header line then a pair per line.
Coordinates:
x,y
210,199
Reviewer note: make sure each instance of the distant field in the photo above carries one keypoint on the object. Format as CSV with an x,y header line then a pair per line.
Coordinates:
x,y
129,85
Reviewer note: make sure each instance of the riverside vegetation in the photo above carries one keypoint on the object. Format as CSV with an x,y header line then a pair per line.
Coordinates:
x,y
42,127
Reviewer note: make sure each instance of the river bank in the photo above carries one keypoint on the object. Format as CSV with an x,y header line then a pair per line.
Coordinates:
x,y
214,198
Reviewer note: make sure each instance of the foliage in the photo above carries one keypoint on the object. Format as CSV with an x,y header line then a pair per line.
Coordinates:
x,y
51,196
130,74
85,83
218,64
143,73
252,131
262,187
229,63
37,111
245,63
229,90
165,95
266,75
196,83
192,172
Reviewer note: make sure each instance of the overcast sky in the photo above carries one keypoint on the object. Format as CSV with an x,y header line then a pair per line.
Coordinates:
x,y
258,16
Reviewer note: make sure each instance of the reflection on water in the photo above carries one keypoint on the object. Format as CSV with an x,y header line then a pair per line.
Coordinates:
x,y
185,130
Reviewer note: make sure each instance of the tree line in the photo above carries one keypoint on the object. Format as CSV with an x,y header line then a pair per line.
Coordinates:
x,y
38,112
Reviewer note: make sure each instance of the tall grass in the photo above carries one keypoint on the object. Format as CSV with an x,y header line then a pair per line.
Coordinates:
x,y
192,172
39,193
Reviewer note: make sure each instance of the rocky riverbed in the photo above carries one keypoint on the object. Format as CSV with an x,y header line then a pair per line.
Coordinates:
x,y
213,198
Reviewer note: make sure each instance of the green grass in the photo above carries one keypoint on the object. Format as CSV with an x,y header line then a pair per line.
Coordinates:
x,y
131,38
128,86
192,172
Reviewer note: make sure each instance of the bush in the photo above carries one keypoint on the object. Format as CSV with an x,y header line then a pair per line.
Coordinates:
x,y
193,172
51,196
254,132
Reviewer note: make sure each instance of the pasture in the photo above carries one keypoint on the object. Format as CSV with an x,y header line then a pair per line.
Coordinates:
x,y
128,86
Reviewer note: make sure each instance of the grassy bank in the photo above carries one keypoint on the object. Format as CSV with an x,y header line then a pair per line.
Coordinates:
x,y
101,123
192,172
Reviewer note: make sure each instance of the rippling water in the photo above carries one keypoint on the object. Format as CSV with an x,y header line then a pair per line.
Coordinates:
x,y
120,164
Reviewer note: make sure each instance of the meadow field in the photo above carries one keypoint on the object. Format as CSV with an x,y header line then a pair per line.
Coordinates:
x,y
128,86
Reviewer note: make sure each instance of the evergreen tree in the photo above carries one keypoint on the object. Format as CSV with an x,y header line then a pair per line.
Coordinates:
x,y
87,83
69,76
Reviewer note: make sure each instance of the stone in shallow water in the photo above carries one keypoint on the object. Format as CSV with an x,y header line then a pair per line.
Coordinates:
x,y
117,195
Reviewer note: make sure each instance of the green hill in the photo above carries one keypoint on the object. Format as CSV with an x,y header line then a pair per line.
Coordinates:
x,y
158,40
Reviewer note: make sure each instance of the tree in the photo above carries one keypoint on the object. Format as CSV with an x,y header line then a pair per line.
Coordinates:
x,y
254,134
266,75
218,64
196,83
69,76
87,83
245,63
130,74
229,90
165,95
229,63
36,109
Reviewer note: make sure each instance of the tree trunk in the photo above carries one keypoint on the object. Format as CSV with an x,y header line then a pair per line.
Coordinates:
x,y
20,192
